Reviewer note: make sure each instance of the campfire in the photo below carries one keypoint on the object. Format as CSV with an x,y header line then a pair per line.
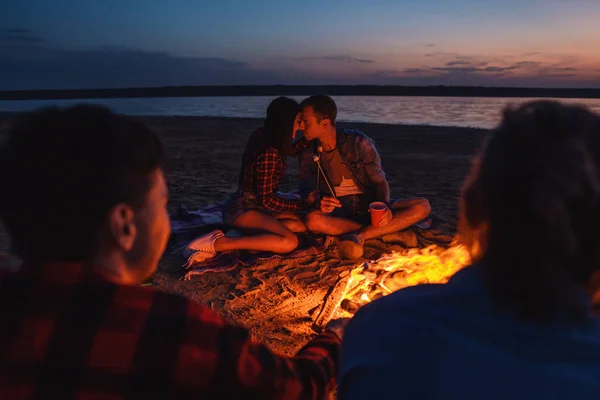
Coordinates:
x,y
369,281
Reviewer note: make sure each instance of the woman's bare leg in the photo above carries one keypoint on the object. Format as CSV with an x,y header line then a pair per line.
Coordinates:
x,y
277,238
292,221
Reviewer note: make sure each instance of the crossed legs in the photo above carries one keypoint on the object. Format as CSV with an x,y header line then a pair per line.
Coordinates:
x,y
406,212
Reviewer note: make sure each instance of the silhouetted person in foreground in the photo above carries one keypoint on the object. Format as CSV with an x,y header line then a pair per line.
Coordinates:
x,y
84,201
518,322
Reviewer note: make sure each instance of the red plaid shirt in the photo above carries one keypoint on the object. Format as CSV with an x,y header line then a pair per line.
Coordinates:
x,y
262,170
65,332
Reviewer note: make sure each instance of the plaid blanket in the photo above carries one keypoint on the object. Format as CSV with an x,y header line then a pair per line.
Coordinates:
x,y
187,225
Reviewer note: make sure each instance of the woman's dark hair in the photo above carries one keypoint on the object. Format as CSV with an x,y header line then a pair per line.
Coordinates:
x,y
530,210
62,170
279,123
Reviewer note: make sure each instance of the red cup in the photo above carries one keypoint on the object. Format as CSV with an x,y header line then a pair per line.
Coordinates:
x,y
377,209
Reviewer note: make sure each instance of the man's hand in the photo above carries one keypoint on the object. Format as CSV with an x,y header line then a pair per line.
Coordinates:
x,y
337,326
386,218
328,204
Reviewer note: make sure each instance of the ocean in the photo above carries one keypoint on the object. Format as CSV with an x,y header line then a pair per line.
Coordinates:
x,y
480,112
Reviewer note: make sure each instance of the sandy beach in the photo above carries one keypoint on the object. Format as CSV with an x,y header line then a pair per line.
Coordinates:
x,y
272,297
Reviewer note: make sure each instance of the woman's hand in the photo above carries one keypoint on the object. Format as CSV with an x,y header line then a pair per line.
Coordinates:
x,y
312,198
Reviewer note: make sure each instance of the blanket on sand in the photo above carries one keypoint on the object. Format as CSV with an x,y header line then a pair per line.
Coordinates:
x,y
187,225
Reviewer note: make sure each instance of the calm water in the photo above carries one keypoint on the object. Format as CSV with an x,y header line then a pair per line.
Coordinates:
x,y
446,111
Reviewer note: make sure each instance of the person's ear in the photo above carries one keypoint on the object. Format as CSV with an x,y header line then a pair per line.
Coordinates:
x,y
122,226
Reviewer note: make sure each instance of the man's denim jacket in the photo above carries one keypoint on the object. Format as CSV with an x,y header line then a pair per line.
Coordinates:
x,y
358,152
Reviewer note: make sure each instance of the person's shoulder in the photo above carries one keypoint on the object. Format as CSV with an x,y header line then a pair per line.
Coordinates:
x,y
267,152
256,136
352,132
359,138
166,304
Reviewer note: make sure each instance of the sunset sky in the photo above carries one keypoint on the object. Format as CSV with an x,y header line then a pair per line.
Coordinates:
x,y
131,43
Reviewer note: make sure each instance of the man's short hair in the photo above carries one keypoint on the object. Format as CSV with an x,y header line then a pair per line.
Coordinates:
x,y
323,107
62,170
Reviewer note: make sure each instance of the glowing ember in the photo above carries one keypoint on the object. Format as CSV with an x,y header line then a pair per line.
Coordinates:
x,y
392,272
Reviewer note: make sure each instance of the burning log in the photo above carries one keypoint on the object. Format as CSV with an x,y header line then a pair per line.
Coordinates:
x,y
401,279
332,301
349,306
395,271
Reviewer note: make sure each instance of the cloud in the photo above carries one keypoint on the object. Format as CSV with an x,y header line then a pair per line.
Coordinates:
x,y
29,62
528,64
498,69
24,67
458,62
462,70
439,54
412,71
430,45
563,69
109,68
16,36
341,57
474,70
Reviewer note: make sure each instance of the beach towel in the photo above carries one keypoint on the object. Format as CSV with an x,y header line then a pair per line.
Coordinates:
x,y
187,225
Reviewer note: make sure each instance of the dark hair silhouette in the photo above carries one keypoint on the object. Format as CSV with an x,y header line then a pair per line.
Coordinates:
x,y
62,170
279,123
323,107
531,208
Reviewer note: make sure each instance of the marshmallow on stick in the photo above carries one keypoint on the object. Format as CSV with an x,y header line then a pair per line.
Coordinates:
x,y
318,162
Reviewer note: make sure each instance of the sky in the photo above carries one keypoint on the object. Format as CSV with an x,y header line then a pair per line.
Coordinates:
x,y
78,44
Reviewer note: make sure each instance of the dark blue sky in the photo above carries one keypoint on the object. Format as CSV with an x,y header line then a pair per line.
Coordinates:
x,y
107,43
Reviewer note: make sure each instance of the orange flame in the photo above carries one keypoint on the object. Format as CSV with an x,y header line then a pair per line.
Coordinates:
x,y
398,270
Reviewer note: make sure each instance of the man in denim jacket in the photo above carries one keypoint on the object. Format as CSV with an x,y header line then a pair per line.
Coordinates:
x,y
344,167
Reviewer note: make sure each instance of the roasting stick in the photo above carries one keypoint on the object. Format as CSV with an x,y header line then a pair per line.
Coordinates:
x,y
317,160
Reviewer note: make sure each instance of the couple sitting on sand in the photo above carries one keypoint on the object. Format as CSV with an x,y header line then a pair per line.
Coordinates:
x,y
340,175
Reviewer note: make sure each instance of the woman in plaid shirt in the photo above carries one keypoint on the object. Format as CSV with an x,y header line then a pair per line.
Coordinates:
x,y
256,205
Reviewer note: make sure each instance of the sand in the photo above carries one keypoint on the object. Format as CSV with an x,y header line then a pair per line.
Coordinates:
x,y
274,297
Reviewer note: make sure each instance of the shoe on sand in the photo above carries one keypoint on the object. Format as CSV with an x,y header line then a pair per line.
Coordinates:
x,y
202,248
406,238
350,246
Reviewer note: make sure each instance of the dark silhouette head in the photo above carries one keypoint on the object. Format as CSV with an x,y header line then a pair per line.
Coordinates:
x,y
531,209
281,123
82,182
